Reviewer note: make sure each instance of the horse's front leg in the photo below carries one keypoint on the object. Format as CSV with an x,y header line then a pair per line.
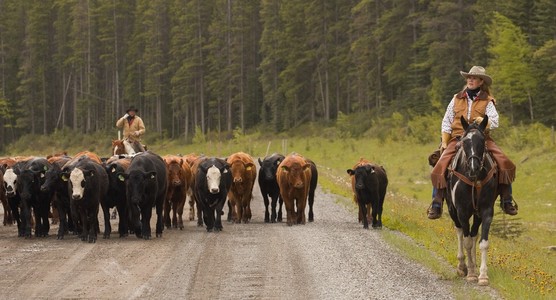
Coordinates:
x,y
462,267
470,243
483,276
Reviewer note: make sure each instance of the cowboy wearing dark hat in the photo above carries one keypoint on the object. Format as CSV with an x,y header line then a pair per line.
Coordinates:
x,y
473,102
132,125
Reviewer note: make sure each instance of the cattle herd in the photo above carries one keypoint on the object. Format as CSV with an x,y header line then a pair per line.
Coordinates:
x,y
72,189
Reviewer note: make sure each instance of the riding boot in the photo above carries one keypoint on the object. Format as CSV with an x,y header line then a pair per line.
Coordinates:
x,y
435,210
506,199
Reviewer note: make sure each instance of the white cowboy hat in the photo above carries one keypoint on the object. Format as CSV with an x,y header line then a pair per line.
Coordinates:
x,y
479,72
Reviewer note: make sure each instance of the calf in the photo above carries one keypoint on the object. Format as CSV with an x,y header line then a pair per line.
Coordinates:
x,y
179,178
212,182
146,184
269,186
116,196
88,185
369,182
294,177
244,173
58,188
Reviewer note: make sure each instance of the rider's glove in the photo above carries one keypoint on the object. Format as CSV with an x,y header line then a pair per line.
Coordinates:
x,y
125,116
137,133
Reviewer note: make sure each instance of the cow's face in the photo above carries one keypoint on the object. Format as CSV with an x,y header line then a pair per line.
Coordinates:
x,y
137,183
26,181
10,182
77,184
238,169
175,173
361,173
295,174
269,168
51,176
213,179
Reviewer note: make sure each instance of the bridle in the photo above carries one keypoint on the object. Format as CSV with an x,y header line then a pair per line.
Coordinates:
x,y
476,183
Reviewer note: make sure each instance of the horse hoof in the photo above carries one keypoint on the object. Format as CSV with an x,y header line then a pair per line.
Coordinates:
x,y
483,282
462,273
471,278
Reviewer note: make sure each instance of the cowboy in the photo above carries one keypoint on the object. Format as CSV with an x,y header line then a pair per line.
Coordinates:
x,y
473,102
132,124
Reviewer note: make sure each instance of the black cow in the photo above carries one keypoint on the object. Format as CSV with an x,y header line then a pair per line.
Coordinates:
x,y
369,184
116,196
88,184
30,177
212,182
269,186
146,184
60,196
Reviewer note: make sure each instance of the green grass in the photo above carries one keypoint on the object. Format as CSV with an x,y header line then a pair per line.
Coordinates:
x,y
520,264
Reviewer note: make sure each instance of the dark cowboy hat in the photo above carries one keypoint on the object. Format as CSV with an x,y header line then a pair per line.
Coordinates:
x,y
131,108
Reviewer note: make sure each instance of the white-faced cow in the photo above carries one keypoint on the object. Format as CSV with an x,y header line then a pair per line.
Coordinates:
x,y
146,184
212,183
369,182
88,185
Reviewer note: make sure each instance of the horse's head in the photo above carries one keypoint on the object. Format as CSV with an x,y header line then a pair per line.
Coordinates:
x,y
118,147
473,143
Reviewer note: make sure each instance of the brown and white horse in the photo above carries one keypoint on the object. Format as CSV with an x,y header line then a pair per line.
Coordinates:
x,y
126,146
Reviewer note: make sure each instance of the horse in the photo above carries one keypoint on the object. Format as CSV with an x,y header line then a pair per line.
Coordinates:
x,y
125,146
472,191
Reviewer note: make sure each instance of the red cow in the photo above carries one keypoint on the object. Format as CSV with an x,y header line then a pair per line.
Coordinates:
x,y
244,173
179,179
294,177
190,159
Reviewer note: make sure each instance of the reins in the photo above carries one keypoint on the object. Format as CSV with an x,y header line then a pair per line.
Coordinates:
x,y
476,184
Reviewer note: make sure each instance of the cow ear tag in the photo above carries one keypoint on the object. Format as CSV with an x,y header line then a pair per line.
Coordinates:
x,y
64,178
45,168
248,168
152,176
225,171
121,177
42,175
113,169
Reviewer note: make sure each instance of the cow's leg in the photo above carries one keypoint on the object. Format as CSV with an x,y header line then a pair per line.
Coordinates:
x,y
85,225
181,206
363,212
122,224
247,213
107,225
290,212
208,216
167,208
26,219
301,205
92,221
159,226
311,201
219,213
14,205
191,202
146,214
231,208
280,202
174,214
267,214
462,267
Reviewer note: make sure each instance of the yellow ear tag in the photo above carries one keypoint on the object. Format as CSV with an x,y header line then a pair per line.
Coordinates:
x,y
121,177
45,168
65,178
248,168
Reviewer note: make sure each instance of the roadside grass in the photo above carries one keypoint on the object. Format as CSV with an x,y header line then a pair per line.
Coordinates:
x,y
521,264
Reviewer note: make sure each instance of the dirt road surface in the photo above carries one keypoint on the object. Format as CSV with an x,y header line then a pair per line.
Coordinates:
x,y
331,258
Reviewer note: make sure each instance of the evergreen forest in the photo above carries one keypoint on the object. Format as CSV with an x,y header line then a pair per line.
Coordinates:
x,y
220,65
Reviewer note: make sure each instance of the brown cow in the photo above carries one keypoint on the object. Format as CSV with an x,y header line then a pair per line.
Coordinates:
x,y
294,177
190,159
244,173
179,179
361,162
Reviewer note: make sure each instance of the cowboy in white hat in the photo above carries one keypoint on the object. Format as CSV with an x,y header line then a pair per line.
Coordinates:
x,y
133,126
473,102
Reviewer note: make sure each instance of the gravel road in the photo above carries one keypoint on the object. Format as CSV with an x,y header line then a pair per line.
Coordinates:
x,y
331,258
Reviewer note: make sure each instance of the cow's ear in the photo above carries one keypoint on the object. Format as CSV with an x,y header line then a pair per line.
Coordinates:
x,y
64,176
260,161
249,166
306,166
350,172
